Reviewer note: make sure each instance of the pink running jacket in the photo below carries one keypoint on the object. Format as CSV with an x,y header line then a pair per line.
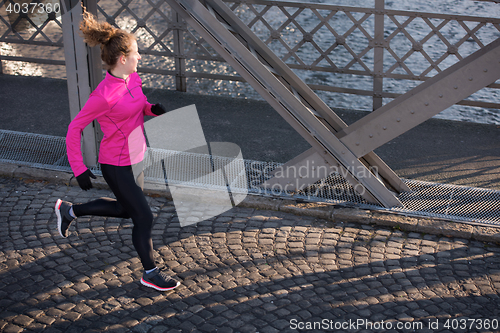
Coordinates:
x,y
119,106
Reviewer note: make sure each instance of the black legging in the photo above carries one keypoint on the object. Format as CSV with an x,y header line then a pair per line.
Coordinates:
x,y
130,203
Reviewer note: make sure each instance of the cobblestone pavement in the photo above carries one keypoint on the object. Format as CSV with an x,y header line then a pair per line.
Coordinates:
x,y
244,271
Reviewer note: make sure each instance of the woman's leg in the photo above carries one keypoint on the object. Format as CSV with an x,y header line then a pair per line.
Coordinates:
x,y
101,207
67,212
106,206
132,201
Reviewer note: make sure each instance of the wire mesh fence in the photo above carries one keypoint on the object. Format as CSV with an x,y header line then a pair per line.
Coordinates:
x,y
458,203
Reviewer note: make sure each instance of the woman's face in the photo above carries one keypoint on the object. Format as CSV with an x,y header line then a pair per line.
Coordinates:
x,y
132,59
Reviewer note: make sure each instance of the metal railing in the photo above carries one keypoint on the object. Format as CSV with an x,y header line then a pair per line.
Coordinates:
x,y
457,203
360,51
31,33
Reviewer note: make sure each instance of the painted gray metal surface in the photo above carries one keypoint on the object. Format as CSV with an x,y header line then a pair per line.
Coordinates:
x,y
302,91
284,101
77,71
423,102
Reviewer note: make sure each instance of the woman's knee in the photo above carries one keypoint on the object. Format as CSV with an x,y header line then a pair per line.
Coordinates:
x,y
118,209
144,220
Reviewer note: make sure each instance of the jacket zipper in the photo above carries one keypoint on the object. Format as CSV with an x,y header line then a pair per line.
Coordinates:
x,y
130,92
128,89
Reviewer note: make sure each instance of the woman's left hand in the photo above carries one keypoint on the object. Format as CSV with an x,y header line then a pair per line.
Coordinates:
x,y
158,109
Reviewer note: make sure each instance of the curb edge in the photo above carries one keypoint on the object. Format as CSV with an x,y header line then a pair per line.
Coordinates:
x,y
321,210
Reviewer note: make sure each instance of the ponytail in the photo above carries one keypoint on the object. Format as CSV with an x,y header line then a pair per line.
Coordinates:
x,y
114,42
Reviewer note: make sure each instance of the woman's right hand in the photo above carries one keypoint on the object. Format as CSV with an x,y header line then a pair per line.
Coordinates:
x,y
84,180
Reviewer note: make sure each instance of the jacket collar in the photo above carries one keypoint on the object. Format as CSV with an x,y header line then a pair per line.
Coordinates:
x,y
113,78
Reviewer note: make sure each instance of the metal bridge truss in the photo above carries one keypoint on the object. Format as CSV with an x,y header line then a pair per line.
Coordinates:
x,y
334,144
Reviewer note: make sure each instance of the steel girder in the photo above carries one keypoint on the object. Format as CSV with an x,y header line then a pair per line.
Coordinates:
x,y
347,148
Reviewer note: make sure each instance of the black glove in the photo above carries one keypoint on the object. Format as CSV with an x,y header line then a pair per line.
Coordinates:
x,y
158,109
84,180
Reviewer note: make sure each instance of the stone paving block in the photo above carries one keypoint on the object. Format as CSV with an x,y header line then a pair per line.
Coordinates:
x,y
247,270
351,215
445,228
318,210
486,234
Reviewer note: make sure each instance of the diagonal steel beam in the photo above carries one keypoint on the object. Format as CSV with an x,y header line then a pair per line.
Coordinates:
x,y
423,102
301,117
303,91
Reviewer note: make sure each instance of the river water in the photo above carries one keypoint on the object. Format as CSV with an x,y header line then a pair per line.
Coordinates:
x,y
453,32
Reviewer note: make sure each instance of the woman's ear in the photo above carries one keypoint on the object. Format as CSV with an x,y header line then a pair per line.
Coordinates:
x,y
122,59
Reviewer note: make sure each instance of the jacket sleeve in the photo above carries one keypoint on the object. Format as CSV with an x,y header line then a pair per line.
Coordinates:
x,y
95,107
147,109
147,106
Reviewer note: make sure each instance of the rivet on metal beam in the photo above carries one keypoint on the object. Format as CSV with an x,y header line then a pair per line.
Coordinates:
x,y
412,111
343,152
470,79
455,87
440,95
398,120
357,143
142,23
485,70
426,103
384,128
417,46
307,37
340,40
275,34
371,135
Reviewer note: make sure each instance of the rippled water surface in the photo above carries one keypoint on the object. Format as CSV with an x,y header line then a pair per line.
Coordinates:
x,y
453,32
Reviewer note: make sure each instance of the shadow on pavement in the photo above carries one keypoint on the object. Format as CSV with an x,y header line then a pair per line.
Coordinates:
x,y
243,271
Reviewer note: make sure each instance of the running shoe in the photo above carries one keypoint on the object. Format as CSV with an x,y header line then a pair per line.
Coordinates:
x,y
64,219
159,280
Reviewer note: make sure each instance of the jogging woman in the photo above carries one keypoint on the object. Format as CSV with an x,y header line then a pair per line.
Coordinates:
x,y
119,105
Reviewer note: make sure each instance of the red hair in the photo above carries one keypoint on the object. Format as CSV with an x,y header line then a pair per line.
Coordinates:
x,y
114,42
